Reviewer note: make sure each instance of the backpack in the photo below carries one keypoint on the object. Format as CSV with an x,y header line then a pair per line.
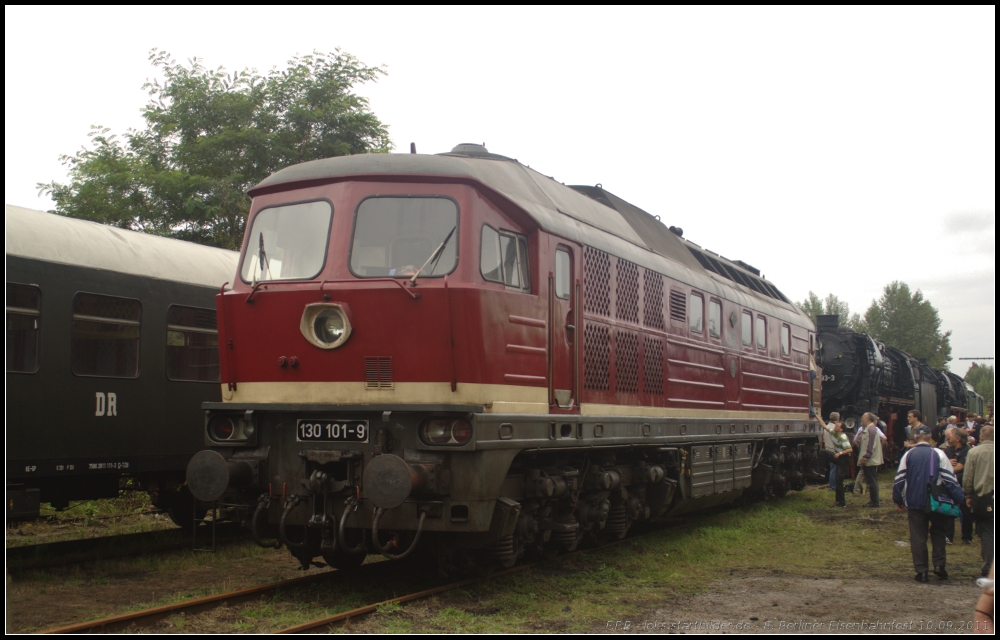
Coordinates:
x,y
938,500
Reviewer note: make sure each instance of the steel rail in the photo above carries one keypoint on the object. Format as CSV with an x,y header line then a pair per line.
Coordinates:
x,y
361,611
148,616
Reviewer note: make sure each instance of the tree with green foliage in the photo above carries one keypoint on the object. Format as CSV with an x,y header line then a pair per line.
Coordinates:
x,y
981,379
906,321
210,136
829,306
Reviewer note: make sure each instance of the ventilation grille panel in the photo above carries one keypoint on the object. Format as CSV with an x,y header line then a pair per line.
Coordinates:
x,y
627,292
678,306
652,366
596,282
596,357
626,362
652,300
378,372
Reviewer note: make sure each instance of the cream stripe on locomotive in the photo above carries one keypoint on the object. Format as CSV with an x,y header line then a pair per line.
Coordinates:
x,y
503,398
497,398
589,409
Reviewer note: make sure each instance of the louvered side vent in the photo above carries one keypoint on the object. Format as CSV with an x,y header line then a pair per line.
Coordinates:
x,y
626,362
378,372
678,306
652,300
596,282
652,366
596,357
627,292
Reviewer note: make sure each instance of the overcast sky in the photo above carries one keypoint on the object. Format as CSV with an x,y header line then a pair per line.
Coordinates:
x,y
834,149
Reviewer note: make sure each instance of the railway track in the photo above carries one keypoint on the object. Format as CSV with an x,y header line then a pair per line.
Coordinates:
x,y
64,552
366,573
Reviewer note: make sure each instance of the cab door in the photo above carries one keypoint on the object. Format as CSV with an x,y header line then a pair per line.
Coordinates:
x,y
564,330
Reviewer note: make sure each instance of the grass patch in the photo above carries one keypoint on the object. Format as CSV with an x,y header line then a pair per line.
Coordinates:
x,y
800,536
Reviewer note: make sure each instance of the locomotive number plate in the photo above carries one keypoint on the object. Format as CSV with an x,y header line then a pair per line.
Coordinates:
x,y
331,431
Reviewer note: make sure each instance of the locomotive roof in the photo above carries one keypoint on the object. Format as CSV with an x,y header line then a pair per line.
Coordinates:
x,y
587,215
53,238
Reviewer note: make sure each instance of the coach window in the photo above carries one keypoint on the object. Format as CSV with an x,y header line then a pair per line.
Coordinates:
x,y
105,339
504,258
761,332
786,340
288,242
715,318
696,311
192,345
24,320
399,236
562,274
746,328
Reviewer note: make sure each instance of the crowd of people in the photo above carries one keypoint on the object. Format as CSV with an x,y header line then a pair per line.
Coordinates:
x,y
945,474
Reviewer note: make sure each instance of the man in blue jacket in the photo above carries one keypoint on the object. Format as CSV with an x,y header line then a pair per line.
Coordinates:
x,y
910,493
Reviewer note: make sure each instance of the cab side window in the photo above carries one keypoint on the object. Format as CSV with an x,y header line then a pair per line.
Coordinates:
x,y
715,318
562,274
24,321
504,258
105,340
696,310
746,328
761,332
786,340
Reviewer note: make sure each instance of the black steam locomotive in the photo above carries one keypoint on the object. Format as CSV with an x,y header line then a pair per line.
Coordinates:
x,y
862,374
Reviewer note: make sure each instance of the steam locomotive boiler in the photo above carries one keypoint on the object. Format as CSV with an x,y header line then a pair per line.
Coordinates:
x,y
862,374
459,349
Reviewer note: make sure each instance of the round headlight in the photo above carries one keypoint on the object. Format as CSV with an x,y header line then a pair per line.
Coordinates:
x,y
436,431
326,325
329,326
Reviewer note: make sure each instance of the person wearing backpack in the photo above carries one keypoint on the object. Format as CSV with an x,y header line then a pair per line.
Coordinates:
x,y
924,483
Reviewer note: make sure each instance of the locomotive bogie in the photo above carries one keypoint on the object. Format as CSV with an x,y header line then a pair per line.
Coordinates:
x,y
512,456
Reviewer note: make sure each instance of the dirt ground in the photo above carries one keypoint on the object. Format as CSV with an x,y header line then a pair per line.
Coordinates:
x,y
823,585
778,604
95,590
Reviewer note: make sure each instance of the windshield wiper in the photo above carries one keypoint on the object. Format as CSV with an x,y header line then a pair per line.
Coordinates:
x,y
436,256
261,258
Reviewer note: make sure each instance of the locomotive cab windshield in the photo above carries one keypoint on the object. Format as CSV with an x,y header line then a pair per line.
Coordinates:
x,y
394,236
288,242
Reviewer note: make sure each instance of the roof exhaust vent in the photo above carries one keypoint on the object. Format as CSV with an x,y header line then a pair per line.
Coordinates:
x,y
471,149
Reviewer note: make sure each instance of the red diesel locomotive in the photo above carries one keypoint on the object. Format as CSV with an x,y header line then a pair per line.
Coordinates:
x,y
461,348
